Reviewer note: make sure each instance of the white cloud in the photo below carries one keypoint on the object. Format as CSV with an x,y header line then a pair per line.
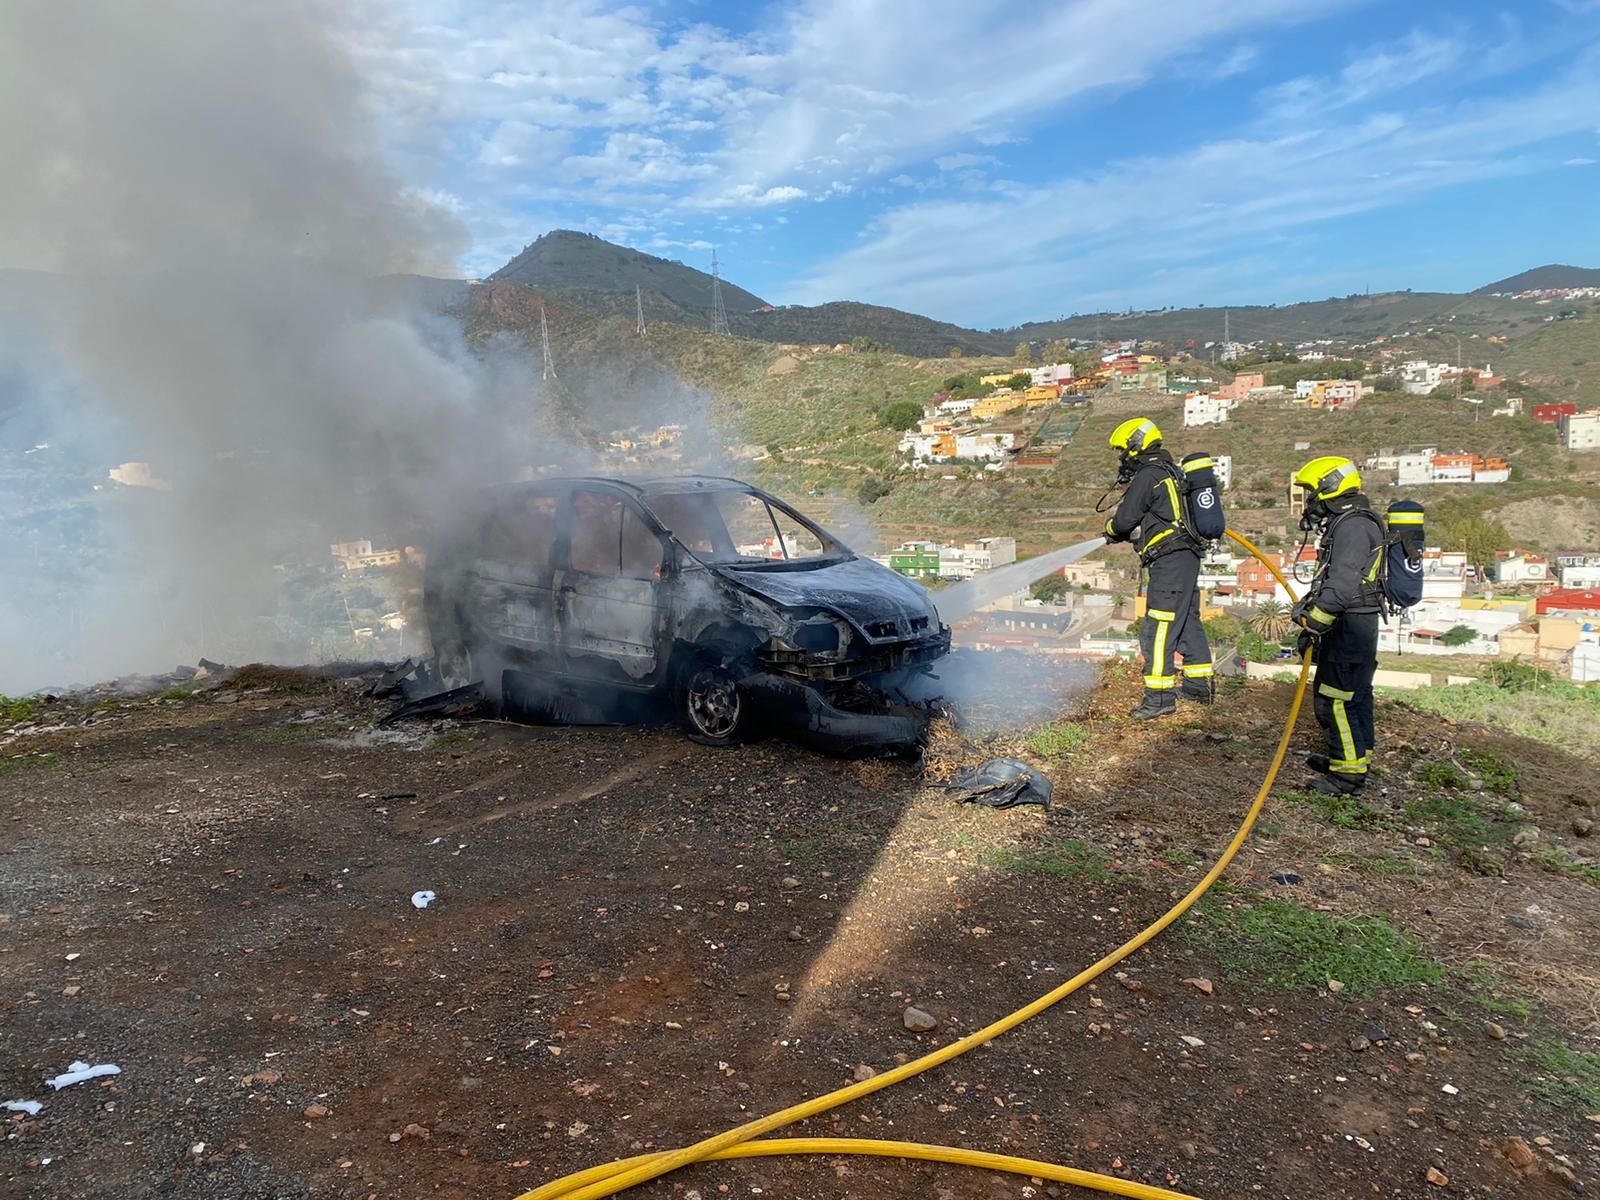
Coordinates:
x,y
1578,162
1216,202
1374,71
962,161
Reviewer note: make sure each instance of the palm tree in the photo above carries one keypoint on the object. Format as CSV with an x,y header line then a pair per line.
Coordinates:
x,y
1271,620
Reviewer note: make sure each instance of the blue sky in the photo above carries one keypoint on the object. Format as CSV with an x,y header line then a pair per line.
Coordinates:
x,y
989,162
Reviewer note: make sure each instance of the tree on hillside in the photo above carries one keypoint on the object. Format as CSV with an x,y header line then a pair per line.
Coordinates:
x,y
1023,352
1271,620
871,489
955,351
1051,587
1476,537
1056,350
1020,380
901,415
1457,635
1386,383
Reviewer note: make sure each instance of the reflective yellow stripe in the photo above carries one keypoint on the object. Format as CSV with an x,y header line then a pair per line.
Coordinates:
x,y
1197,463
1318,615
1198,670
1159,683
1405,518
1157,666
1158,537
1172,498
1372,571
1334,693
1351,764
1162,614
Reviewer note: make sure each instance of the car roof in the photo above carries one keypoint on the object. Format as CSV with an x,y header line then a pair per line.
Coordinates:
x,y
652,485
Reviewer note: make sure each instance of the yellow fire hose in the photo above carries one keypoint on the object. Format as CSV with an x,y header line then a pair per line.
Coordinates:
x,y
611,1178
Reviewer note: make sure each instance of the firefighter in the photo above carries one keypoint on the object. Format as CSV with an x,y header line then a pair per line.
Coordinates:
x,y
1339,617
1151,516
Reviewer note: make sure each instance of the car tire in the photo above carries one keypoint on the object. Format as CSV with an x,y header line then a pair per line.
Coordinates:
x,y
709,705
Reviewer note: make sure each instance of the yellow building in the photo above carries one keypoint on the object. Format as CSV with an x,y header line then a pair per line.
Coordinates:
x,y
995,380
996,405
1038,397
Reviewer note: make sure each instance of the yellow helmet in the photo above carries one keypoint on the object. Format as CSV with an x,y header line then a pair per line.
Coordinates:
x,y
1328,476
1134,435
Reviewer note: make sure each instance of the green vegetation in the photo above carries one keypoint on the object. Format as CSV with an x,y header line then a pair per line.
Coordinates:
x,y
1051,587
19,710
1457,635
1559,862
1567,1078
1342,812
1286,945
901,415
27,762
1065,859
564,258
1059,740
1556,713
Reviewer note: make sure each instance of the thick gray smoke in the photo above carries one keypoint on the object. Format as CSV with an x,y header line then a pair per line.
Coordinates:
x,y
201,191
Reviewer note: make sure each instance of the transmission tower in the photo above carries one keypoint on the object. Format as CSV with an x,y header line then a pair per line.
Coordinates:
x,y
719,313
638,307
544,337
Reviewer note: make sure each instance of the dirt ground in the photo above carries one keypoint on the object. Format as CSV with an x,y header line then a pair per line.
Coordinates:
x,y
638,941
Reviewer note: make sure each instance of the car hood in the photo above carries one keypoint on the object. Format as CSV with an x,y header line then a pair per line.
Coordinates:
x,y
867,594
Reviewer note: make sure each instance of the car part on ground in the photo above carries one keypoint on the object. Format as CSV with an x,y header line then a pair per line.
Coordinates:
x,y
1000,783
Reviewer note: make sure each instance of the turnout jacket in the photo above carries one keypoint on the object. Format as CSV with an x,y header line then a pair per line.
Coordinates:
x,y
1347,564
1151,512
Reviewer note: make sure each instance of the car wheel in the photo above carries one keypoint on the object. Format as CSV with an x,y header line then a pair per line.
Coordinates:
x,y
710,706
458,667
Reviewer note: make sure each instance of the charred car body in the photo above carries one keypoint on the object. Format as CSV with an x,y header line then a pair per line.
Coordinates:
x,y
586,599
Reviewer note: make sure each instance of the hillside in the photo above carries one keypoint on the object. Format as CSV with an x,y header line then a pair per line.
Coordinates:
x,y
1553,275
566,259
843,321
1351,319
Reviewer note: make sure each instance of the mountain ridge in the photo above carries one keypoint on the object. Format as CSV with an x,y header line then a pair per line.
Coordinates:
x,y
1551,275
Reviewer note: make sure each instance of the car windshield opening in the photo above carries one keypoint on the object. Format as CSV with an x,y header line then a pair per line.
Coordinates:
x,y
732,528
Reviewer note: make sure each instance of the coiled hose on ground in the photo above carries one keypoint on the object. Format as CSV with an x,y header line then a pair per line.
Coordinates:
x,y
740,1142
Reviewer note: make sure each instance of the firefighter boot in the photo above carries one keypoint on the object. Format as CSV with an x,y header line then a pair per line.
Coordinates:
x,y
1155,704
1339,785
1200,691
1320,763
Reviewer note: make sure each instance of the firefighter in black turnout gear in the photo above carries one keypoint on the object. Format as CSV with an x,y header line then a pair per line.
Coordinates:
x,y
1151,516
1339,617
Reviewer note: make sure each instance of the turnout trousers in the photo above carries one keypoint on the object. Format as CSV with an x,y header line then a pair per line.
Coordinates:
x,y
1172,622
1342,700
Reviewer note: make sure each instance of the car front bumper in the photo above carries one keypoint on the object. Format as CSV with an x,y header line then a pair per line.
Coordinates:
x,y
805,714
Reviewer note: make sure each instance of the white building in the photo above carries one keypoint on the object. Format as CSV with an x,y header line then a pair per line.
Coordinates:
x,y
1520,568
1204,409
985,554
1224,471
1415,468
957,407
1049,376
1580,431
1580,575
1419,378
948,445
1511,408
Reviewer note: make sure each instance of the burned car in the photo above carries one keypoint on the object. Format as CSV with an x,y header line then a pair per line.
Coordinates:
x,y
586,599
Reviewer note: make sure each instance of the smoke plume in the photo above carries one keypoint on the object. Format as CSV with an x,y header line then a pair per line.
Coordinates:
x,y
198,223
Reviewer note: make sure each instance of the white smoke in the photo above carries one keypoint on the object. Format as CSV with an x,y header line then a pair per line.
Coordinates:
x,y
204,189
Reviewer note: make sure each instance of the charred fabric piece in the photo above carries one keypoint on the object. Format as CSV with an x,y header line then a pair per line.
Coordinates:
x,y
457,702
410,680
1000,783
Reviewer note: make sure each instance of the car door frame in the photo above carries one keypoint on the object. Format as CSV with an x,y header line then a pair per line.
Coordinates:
x,y
566,582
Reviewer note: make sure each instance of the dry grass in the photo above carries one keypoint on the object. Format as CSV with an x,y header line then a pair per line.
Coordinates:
x,y
274,679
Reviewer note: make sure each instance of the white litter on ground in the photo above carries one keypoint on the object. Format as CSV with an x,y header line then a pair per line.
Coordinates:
x,y
423,899
436,841
79,1071
31,1107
